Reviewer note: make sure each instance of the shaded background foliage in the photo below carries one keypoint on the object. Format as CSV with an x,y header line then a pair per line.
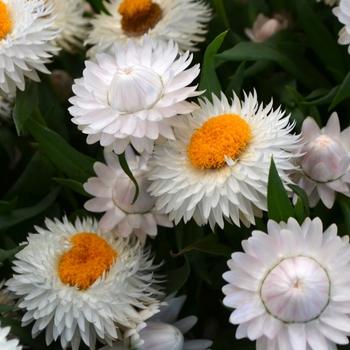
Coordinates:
x,y
45,159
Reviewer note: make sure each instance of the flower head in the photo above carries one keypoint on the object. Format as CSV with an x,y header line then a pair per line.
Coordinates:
x,y
264,27
343,13
290,288
325,165
24,33
182,21
6,344
71,23
79,283
115,191
132,96
218,166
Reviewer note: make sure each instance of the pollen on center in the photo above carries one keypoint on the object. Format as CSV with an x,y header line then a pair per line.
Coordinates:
x,y
86,261
5,21
224,135
138,16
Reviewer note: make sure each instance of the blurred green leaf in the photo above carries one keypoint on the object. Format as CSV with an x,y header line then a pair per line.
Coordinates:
x,y
303,209
72,184
236,81
278,203
74,164
9,254
7,206
209,244
299,211
196,259
124,164
16,216
328,98
221,11
7,308
25,103
342,93
209,80
248,51
344,203
323,43
177,278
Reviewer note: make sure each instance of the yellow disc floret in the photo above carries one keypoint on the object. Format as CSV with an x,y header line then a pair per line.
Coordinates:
x,y
225,135
5,21
86,261
138,16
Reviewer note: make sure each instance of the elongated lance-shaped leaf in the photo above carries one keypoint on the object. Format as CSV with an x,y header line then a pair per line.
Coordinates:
x,y
124,164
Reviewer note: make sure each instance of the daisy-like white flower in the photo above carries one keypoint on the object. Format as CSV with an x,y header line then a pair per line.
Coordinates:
x,y
71,23
264,27
163,331
325,164
290,288
343,13
6,344
114,193
24,35
218,166
79,283
133,96
182,21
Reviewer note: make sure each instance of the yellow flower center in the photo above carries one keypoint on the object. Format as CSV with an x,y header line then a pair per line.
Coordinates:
x,y
225,135
5,21
139,16
86,261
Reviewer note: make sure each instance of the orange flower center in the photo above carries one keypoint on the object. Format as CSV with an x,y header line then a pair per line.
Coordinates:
x,y
5,21
86,261
139,16
225,135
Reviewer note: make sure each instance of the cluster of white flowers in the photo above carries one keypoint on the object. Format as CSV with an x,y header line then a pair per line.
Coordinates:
x,y
202,160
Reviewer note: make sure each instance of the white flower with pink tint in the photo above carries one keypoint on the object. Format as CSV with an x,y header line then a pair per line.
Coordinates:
x,y
114,193
324,167
264,27
290,288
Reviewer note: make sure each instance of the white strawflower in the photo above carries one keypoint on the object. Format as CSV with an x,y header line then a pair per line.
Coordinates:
x,y
24,33
72,25
114,192
264,27
6,344
133,96
218,166
343,13
290,288
325,165
183,21
79,283
163,331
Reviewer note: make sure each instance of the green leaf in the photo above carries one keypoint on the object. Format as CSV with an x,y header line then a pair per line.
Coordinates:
x,y
248,51
345,208
7,206
23,333
209,80
124,164
16,216
24,105
328,98
221,12
177,278
303,209
278,203
322,42
342,93
236,81
74,164
209,244
9,254
72,184
7,308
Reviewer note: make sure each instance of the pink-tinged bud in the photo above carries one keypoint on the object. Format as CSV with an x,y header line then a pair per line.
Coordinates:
x,y
325,162
264,27
161,336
